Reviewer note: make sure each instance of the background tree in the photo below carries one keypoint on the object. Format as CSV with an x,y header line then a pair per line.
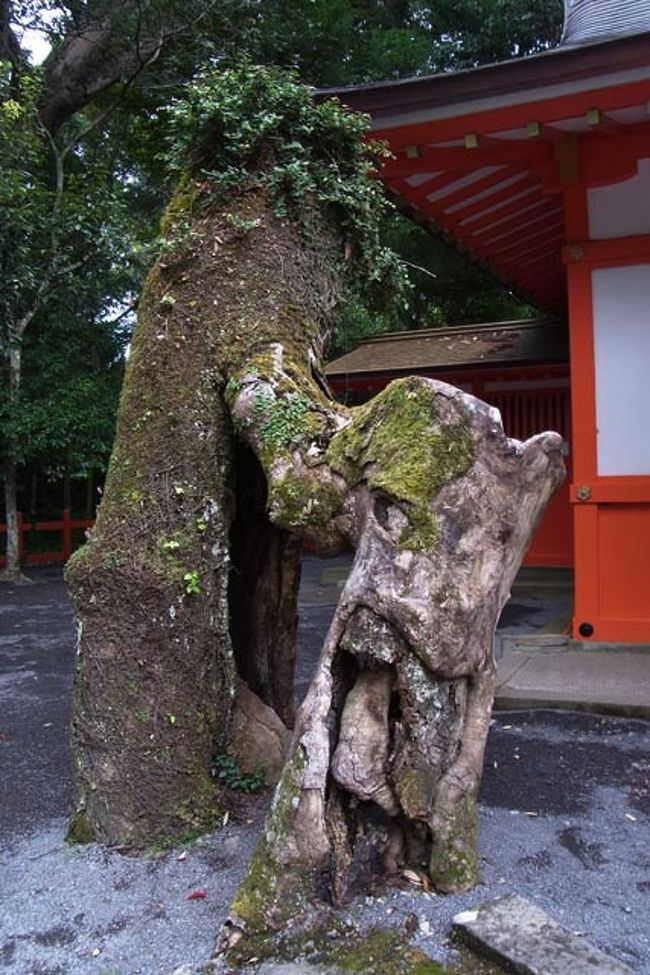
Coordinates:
x,y
80,139
72,187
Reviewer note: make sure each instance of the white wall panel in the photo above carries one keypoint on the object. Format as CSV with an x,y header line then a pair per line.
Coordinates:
x,y
622,209
621,314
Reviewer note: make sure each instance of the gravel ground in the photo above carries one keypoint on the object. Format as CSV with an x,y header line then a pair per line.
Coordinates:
x,y
564,820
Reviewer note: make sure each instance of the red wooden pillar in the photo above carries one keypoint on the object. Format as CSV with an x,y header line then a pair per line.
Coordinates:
x,y
610,492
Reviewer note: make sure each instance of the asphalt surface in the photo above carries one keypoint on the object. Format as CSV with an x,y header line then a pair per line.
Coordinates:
x,y
565,821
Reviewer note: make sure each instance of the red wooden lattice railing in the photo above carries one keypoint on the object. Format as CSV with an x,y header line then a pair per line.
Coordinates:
x,y
66,526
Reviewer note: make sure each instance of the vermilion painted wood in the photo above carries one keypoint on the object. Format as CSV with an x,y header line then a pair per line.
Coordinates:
x,y
549,241
606,490
458,158
540,216
515,116
623,536
493,180
524,411
500,208
598,165
608,253
611,514
419,194
531,257
67,525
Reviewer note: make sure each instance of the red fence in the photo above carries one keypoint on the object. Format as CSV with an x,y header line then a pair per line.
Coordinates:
x,y
66,527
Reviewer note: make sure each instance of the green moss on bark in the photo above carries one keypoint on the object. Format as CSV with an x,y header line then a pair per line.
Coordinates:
x,y
383,952
80,829
453,865
304,502
397,443
180,208
273,893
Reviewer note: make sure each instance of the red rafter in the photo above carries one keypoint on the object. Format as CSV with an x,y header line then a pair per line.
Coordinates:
x,y
508,207
490,200
459,159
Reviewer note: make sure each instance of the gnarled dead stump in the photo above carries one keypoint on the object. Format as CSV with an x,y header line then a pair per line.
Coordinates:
x,y
440,507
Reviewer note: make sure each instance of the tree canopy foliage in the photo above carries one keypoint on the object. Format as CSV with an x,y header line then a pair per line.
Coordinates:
x,y
85,180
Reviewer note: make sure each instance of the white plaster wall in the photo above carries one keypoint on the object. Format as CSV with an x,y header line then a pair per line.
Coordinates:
x,y
622,209
621,313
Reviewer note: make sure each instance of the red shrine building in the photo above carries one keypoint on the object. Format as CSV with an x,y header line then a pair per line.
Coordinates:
x,y
520,367
540,169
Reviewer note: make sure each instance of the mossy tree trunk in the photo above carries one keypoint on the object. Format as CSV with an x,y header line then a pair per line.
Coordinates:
x,y
182,516
228,452
440,507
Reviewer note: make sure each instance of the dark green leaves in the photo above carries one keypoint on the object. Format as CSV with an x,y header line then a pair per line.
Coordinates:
x,y
258,126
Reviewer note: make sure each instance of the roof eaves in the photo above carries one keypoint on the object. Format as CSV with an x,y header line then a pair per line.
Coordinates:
x,y
554,66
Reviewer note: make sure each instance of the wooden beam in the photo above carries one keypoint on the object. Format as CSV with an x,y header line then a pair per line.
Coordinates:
x,y
523,215
494,180
533,235
514,116
419,194
507,206
551,240
459,159
522,228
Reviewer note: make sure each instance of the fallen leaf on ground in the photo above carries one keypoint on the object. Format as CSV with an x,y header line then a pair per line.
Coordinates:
x,y
197,895
412,877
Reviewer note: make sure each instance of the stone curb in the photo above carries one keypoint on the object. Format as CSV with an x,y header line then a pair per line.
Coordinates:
x,y
525,940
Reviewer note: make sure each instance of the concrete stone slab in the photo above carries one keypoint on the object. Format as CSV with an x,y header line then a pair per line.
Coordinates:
x,y
605,682
525,940
541,642
296,968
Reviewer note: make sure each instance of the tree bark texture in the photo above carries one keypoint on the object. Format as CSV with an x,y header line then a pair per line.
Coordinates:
x,y
440,507
12,568
107,46
223,415
159,647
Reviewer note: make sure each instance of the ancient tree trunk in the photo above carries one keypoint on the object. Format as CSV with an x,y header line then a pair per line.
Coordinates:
x,y
440,507
262,592
11,570
228,450
159,645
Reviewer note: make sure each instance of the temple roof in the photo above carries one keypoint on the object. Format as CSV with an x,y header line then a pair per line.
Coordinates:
x,y
483,156
470,346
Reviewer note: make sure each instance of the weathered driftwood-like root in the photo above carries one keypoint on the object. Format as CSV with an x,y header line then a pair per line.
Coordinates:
x,y
360,760
453,864
388,747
